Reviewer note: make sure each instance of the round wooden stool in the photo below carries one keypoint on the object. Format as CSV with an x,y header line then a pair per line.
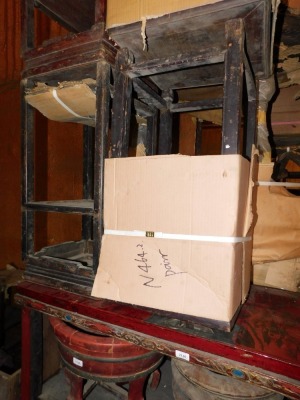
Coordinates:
x,y
193,382
86,355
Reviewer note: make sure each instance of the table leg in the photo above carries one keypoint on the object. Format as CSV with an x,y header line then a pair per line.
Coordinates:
x,y
136,389
32,354
76,385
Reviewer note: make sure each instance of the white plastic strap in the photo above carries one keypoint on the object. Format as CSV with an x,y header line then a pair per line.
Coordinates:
x,y
55,95
280,184
161,235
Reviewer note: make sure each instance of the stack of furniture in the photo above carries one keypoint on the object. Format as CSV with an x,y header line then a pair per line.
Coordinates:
x,y
225,45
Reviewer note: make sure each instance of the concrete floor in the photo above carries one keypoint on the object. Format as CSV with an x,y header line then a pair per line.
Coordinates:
x,y
57,388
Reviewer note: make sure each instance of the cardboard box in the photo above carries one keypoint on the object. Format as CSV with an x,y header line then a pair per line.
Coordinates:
x,y
10,385
68,102
121,12
283,274
206,274
277,229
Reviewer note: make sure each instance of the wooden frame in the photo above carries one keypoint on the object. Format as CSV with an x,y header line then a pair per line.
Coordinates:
x,y
87,54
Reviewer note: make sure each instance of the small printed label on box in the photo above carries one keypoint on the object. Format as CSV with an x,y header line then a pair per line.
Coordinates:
x,y
149,234
78,362
182,355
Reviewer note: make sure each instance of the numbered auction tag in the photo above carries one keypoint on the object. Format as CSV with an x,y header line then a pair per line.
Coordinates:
x,y
77,362
182,355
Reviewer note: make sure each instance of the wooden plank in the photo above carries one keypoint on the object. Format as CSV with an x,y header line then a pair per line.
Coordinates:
x,y
233,82
165,132
165,138
36,347
250,110
207,104
144,91
204,75
64,206
101,152
142,109
87,177
152,132
204,56
258,30
121,109
31,371
27,166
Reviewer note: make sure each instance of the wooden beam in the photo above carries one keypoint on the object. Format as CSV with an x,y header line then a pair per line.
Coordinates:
x,y
121,110
207,104
175,63
233,81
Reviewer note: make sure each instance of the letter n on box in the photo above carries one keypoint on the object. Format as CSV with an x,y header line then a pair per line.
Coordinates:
x,y
194,206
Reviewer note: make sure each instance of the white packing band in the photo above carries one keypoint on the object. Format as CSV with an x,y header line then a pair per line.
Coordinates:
x,y
54,94
280,184
161,235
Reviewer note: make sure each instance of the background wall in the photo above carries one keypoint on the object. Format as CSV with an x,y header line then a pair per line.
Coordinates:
x,y
10,192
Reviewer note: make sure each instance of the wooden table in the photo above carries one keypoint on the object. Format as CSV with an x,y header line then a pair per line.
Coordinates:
x,y
263,347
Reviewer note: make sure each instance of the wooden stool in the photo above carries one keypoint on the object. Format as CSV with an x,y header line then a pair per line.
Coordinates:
x,y
86,355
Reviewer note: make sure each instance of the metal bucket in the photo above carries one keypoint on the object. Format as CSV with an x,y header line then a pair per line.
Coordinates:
x,y
101,357
193,382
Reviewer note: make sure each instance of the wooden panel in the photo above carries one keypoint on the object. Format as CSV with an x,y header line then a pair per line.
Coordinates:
x,y
10,36
58,177
46,29
187,134
295,4
10,193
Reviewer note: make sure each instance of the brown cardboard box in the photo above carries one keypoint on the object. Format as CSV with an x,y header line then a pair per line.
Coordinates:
x,y
276,237
277,229
284,274
68,102
10,385
121,12
206,274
